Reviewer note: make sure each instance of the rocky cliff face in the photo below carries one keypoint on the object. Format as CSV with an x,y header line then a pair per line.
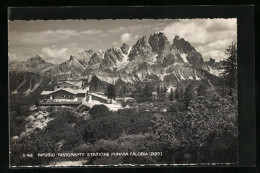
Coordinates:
x,y
151,59
125,48
188,53
34,64
160,45
141,50
111,58
95,59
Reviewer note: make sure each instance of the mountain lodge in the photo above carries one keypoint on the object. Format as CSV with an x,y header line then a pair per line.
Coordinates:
x,y
69,93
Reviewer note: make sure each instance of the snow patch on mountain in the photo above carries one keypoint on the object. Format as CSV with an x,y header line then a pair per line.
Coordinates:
x,y
196,77
177,77
182,78
34,88
169,89
162,76
128,79
190,77
184,57
215,71
124,62
111,80
130,48
153,59
15,91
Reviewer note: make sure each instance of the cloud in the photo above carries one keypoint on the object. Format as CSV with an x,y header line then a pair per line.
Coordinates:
x,y
91,32
214,49
202,31
122,29
125,37
42,37
115,43
12,57
209,36
55,53
216,54
58,55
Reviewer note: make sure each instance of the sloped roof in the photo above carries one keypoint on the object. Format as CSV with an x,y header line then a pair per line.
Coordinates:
x,y
81,90
65,89
46,92
75,83
98,95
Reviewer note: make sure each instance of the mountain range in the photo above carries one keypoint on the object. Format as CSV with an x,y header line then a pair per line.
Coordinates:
x,y
151,59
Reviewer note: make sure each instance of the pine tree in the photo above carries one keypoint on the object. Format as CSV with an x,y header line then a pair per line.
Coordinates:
x,y
164,91
188,96
176,93
121,92
230,69
36,103
171,96
18,109
158,89
95,83
148,90
201,90
181,93
124,89
111,92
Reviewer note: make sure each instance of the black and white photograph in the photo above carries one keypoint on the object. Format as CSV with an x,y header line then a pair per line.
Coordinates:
x,y
117,92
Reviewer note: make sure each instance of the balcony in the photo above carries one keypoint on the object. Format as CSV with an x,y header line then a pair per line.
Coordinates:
x,y
60,103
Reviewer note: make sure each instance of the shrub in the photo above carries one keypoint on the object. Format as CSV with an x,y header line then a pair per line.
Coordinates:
x,y
103,128
17,124
209,128
82,108
98,111
123,103
125,143
172,109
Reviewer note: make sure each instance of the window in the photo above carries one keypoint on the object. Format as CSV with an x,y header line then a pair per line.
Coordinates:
x,y
58,86
71,86
65,86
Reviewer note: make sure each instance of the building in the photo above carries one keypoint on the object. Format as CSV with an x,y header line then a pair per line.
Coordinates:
x,y
64,93
68,84
69,93
98,97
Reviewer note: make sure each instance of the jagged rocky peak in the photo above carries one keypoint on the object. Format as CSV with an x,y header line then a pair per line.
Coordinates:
x,y
182,45
111,56
142,41
95,58
72,58
84,57
114,53
159,42
90,51
211,61
125,48
36,59
140,48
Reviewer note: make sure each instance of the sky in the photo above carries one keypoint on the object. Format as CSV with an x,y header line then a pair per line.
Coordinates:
x,y
56,40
